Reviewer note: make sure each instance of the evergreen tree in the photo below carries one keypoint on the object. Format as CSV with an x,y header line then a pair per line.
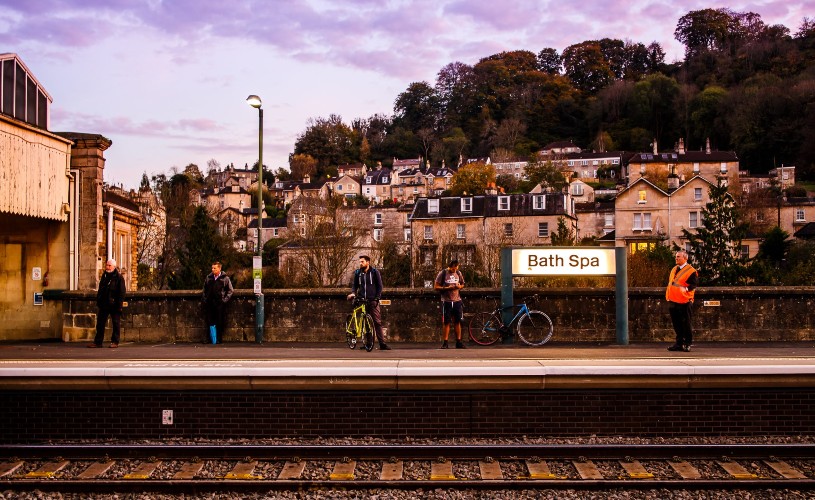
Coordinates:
x,y
202,247
564,236
715,246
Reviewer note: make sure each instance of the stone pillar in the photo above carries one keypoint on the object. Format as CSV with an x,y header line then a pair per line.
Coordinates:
x,y
87,155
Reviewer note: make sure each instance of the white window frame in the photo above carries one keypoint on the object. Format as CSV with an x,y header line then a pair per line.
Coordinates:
x,y
461,231
577,189
503,203
543,229
428,232
432,206
642,221
378,218
608,220
697,194
466,204
693,220
539,202
408,234
800,216
378,234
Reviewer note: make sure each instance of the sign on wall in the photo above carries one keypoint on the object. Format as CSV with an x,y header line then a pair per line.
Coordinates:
x,y
563,261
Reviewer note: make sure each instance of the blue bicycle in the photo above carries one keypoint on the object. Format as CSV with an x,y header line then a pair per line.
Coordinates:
x,y
533,327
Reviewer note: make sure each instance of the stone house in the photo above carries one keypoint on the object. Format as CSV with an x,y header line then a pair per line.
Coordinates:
x,y
594,218
347,185
473,229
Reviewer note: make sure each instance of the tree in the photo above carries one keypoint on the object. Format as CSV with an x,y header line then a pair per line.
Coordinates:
x,y
702,30
472,179
586,66
715,246
563,236
766,268
417,107
202,247
302,165
545,173
329,141
549,61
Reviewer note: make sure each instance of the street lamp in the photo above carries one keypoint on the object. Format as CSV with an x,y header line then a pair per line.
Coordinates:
x,y
257,263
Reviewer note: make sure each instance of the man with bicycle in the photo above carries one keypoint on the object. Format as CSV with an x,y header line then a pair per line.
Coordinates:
x,y
449,282
367,285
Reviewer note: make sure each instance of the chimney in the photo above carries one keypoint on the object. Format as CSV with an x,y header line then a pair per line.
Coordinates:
x,y
673,180
681,146
306,179
491,190
656,147
707,145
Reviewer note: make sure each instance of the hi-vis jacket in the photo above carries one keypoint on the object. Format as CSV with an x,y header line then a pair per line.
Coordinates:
x,y
685,277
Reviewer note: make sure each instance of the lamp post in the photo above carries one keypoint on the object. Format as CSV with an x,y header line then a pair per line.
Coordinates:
x,y
257,262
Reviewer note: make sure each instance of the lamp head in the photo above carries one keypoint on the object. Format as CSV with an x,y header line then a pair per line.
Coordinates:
x,y
254,101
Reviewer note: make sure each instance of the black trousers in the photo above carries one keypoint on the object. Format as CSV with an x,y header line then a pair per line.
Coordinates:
x,y
216,315
101,321
681,319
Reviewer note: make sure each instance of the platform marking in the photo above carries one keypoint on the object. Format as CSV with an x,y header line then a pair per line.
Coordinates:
x,y
292,470
8,468
95,470
785,469
392,471
143,471
736,470
539,470
686,470
243,470
490,471
189,470
636,470
48,469
587,470
441,471
344,471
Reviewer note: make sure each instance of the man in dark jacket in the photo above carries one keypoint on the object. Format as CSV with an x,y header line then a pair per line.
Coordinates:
x,y
367,285
109,300
217,292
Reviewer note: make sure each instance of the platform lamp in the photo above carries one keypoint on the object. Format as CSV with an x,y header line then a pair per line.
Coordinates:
x,y
257,263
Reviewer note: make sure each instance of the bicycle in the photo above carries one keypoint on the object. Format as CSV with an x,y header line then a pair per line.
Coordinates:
x,y
534,327
359,326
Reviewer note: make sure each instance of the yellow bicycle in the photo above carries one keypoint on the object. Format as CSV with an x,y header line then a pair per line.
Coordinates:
x,y
359,326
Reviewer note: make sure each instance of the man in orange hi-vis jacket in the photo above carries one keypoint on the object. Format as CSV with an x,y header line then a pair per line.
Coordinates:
x,y
679,294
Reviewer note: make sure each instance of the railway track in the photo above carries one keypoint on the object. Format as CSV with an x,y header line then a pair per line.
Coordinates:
x,y
185,468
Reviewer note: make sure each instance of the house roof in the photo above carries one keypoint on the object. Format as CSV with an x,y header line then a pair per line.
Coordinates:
x,y
610,236
268,222
381,177
118,200
559,145
807,232
586,155
687,157
487,206
594,206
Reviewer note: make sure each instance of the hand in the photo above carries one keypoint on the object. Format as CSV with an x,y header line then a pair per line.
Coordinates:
x,y
350,296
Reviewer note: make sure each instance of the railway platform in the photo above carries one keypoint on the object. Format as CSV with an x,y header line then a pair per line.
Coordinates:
x,y
55,390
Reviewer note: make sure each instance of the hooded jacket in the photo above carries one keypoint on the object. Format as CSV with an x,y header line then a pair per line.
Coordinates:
x,y
367,285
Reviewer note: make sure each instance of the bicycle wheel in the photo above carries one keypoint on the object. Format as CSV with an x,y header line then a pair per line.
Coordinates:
x,y
535,328
368,332
350,331
485,328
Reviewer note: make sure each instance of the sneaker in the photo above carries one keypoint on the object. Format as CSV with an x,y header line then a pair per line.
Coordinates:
x,y
444,345
686,348
114,345
675,347
459,345
94,346
384,347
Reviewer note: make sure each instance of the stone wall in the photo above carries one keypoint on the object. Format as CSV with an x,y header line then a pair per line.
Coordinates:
x,y
579,315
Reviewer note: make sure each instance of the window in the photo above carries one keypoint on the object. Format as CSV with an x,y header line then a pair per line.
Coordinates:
x,y
745,252
694,220
378,219
571,163
759,216
466,204
415,190
276,232
508,229
608,220
339,187
503,203
385,179
428,256
641,246
642,221
641,196
378,234
594,162
368,180
615,161
799,215
428,232
408,235
697,194
543,229
367,190
539,202
433,206
577,189
695,168
584,163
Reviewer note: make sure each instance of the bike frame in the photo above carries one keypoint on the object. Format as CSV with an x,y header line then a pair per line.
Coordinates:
x,y
359,313
522,311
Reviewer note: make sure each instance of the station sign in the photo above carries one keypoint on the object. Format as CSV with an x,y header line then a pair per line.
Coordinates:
x,y
563,261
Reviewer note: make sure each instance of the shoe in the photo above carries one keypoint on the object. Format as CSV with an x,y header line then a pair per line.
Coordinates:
x,y
675,347
459,345
384,347
686,348
444,345
113,345
94,346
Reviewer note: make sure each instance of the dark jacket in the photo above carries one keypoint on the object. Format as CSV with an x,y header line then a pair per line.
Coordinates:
x,y
111,293
217,291
367,285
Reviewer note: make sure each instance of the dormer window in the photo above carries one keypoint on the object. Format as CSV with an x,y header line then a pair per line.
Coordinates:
x,y
368,179
466,204
385,179
433,206
539,202
503,203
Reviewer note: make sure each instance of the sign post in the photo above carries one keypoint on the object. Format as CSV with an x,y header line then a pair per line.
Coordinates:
x,y
257,272
567,261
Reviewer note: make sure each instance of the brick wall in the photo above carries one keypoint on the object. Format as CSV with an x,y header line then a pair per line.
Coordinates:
x,y
579,315
41,416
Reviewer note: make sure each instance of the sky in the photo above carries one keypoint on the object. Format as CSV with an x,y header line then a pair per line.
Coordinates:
x,y
167,80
